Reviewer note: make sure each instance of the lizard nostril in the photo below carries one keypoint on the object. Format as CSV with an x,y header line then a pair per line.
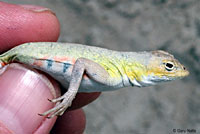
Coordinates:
x,y
184,68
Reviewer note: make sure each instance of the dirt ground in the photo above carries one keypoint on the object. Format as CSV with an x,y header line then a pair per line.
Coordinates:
x,y
138,25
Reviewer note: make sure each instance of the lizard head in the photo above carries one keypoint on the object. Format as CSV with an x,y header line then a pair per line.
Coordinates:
x,y
160,66
163,66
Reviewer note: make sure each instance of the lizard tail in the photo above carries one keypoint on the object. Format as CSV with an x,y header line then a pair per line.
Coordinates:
x,y
5,59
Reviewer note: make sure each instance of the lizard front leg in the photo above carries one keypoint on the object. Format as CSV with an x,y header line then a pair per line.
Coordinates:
x,y
81,66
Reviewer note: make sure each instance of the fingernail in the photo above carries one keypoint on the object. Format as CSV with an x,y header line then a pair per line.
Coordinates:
x,y
23,94
37,8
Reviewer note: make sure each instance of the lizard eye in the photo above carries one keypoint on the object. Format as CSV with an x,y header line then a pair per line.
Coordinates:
x,y
169,66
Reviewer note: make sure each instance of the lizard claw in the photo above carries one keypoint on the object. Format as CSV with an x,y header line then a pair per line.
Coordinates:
x,y
49,100
58,99
59,109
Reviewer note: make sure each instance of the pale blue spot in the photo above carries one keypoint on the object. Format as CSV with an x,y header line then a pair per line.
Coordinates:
x,y
66,66
49,63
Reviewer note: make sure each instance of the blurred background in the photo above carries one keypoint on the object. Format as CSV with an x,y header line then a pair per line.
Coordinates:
x,y
138,25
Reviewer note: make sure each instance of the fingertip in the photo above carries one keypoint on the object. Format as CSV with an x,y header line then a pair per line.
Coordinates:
x,y
26,23
72,122
83,99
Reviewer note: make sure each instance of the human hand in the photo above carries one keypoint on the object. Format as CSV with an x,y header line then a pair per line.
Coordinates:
x,y
23,92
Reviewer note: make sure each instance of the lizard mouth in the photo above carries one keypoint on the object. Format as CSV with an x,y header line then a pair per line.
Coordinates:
x,y
185,72
181,74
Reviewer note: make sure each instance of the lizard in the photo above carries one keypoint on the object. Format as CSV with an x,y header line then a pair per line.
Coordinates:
x,y
82,68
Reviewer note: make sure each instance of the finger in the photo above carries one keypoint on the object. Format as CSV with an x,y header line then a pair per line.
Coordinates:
x,y
25,23
24,94
72,122
83,99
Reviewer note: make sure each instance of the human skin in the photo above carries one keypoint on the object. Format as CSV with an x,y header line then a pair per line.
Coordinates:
x,y
23,91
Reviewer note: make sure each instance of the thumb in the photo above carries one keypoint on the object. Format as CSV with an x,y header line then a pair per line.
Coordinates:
x,y
24,94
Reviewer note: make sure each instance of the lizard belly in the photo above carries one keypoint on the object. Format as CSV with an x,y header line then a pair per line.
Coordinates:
x,y
87,84
62,73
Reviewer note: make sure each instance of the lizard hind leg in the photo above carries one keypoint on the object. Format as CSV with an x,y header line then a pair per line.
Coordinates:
x,y
81,65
